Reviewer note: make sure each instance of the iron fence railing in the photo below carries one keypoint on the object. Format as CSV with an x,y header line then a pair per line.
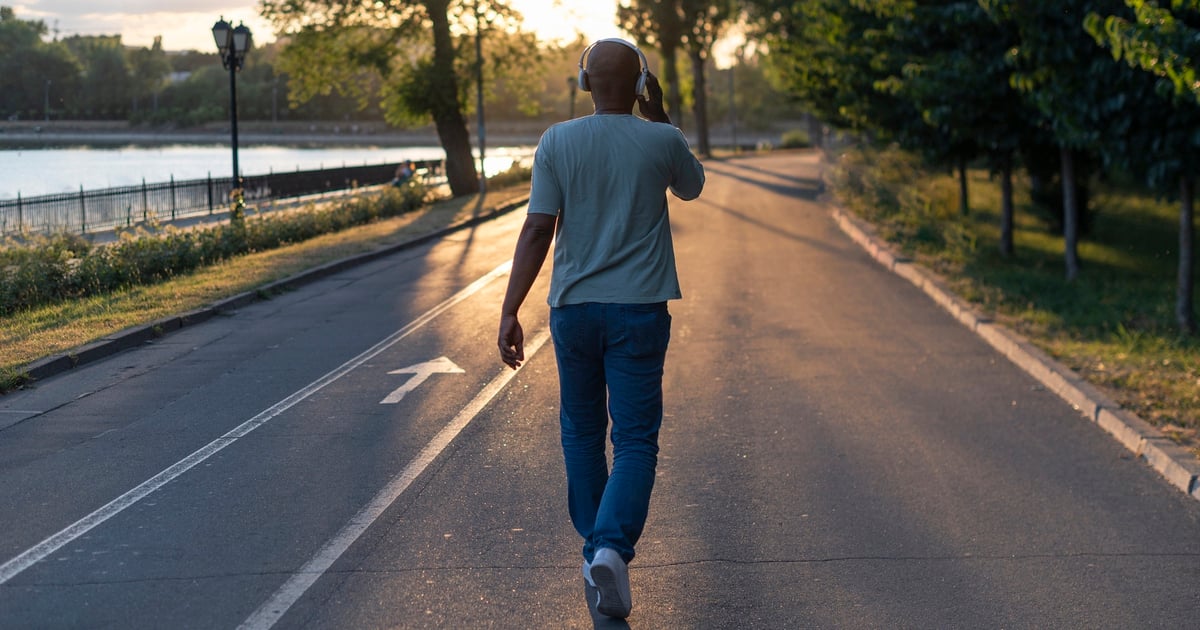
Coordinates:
x,y
126,206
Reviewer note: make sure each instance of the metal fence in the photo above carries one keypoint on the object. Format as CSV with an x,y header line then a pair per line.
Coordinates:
x,y
125,206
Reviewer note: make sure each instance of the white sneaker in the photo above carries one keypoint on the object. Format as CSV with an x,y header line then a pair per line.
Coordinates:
x,y
610,575
587,574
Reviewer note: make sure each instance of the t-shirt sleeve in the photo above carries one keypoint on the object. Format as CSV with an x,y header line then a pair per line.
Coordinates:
x,y
688,176
545,194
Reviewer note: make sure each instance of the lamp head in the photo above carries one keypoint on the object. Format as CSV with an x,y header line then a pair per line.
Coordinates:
x,y
241,42
221,35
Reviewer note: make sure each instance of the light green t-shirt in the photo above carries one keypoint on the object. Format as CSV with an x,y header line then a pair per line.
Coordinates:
x,y
606,178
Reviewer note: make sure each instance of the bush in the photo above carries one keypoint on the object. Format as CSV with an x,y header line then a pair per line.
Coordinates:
x,y
516,174
890,188
66,266
795,139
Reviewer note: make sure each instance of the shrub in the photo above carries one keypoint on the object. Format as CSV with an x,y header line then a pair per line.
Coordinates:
x,y
795,139
66,266
890,188
516,174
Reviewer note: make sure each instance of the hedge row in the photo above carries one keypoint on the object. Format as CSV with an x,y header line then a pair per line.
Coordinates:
x,y
67,266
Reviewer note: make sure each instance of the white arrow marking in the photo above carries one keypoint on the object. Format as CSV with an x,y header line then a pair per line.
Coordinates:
x,y
420,372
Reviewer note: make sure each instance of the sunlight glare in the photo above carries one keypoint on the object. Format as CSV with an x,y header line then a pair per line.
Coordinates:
x,y
560,20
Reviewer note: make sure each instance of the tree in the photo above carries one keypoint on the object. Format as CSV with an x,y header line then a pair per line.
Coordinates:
x,y
107,85
1163,146
404,54
1080,93
703,21
1158,39
822,52
756,102
149,69
34,75
659,24
958,79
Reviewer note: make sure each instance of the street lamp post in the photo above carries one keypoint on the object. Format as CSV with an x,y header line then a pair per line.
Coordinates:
x,y
232,44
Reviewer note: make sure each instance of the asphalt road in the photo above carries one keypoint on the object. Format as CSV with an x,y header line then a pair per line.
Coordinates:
x,y
837,453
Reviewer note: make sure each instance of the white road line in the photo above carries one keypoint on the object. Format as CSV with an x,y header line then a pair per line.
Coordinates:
x,y
273,609
40,551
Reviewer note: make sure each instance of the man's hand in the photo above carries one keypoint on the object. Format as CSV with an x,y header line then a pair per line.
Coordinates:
x,y
511,341
652,106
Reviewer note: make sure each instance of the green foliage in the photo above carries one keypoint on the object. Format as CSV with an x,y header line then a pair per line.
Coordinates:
x,y
1112,325
383,55
12,379
755,100
1081,93
66,267
409,56
1159,142
795,139
516,174
33,74
889,187
1162,40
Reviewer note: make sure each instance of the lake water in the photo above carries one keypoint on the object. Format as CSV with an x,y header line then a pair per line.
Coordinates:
x,y
50,170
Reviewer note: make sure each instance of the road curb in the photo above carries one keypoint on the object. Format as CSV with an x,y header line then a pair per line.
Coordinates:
x,y
147,333
1172,461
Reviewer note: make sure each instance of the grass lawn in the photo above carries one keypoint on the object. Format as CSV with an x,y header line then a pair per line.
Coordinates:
x,y
33,334
1114,325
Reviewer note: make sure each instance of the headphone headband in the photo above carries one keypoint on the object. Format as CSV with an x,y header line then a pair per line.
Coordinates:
x,y
585,85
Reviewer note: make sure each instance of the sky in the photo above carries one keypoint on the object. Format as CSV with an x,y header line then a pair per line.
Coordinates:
x,y
187,24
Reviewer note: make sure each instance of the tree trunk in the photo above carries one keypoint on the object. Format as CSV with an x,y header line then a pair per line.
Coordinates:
x,y
1184,313
816,131
1006,208
700,104
1070,213
964,200
447,115
670,76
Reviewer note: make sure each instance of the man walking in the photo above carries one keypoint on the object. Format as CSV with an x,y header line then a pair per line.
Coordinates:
x,y
599,194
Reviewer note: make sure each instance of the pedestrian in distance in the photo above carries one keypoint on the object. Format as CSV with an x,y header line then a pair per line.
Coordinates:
x,y
403,173
599,196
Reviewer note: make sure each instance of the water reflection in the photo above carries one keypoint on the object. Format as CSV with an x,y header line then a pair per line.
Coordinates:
x,y
50,169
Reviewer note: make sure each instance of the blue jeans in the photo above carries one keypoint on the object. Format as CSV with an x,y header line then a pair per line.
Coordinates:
x,y
610,353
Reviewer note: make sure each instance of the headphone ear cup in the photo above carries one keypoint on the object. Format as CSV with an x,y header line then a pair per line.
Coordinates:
x,y
641,83
584,85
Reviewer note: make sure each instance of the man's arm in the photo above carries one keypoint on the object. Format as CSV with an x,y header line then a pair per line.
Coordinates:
x,y
532,245
689,178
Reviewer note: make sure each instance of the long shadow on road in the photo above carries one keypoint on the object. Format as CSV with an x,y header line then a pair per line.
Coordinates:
x,y
807,187
777,230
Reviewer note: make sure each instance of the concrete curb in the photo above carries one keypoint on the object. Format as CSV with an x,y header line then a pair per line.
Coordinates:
x,y
146,333
1172,461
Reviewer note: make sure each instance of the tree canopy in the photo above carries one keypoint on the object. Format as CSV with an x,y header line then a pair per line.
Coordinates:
x,y
1064,88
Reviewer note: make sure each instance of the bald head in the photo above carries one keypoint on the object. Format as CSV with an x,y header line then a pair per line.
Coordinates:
x,y
613,70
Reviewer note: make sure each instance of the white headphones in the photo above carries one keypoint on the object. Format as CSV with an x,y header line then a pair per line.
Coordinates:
x,y
586,86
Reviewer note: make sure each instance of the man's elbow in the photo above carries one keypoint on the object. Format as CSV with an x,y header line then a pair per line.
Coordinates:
x,y
688,193
539,228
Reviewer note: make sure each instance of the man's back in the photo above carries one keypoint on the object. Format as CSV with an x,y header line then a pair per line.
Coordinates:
x,y
606,177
